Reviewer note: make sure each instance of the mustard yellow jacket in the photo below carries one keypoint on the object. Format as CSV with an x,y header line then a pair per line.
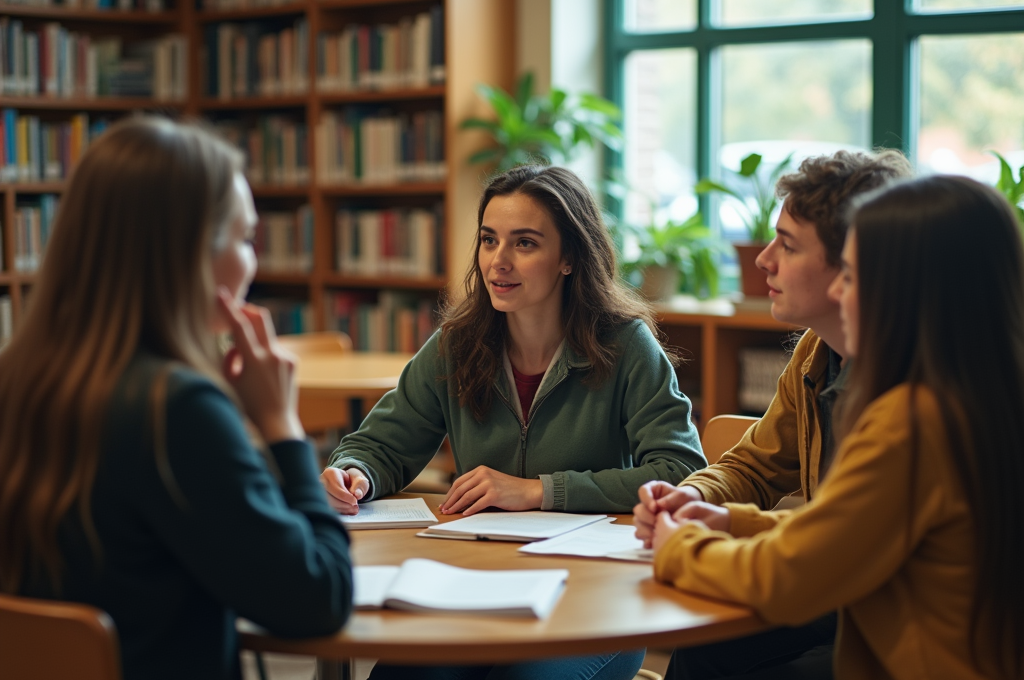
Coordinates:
x,y
778,456
886,541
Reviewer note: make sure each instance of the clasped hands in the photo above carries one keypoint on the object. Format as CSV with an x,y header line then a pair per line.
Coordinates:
x,y
663,508
479,488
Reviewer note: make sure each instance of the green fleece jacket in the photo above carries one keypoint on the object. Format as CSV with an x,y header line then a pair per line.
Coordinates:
x,y
591,446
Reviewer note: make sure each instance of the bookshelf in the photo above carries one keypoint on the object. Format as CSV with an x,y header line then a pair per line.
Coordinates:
x,y
287,117
712,337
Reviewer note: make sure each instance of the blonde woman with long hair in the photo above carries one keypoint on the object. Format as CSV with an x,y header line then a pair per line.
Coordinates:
x,y
129,477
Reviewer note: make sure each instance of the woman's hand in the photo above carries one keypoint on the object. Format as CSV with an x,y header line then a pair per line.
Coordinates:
x,y
345,488
656,497
714,517
483,488
261,371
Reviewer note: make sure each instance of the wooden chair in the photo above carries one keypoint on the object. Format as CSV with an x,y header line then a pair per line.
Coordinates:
x,y
722,433
47,640
325,342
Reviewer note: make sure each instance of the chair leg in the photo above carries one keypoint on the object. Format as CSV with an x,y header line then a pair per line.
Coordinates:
x,y
329,669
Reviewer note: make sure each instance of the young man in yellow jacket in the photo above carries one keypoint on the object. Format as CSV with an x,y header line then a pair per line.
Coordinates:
x,y
789,450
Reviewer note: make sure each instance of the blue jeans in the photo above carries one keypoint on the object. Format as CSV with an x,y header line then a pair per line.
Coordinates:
x,y
614,666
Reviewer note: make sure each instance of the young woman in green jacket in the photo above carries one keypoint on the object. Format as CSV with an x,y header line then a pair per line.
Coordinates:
x,y
547,377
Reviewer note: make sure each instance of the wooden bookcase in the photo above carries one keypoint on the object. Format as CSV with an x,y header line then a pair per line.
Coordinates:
x,y
710,342
478,49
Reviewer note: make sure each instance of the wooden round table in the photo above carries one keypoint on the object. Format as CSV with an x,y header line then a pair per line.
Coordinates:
x,y
607,605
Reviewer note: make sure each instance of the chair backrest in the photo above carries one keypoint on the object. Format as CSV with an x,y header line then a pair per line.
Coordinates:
x,y
48,640
325,342
722,433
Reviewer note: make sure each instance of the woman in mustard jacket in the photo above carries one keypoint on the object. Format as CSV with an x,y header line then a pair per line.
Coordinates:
x,y
915,532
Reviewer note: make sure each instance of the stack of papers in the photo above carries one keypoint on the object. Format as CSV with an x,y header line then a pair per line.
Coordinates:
x,y
600,539
429,586
399,513
511,526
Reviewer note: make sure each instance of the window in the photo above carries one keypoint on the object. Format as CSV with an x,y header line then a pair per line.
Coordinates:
x,y
703,83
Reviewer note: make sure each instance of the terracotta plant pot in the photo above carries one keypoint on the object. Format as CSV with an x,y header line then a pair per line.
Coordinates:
x,y
753,281
660,283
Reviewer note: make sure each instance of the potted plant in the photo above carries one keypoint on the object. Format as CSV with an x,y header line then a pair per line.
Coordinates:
x,y
671,257
756,211
542,128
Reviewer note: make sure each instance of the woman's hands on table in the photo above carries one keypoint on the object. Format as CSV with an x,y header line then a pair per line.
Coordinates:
x,y
483,487
345,488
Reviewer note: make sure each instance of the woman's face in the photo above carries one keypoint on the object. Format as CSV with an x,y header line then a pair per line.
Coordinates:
x,y
520,257
234,261
844,292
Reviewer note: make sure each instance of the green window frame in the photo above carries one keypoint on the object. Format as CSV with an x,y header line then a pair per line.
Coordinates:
x,y
893,30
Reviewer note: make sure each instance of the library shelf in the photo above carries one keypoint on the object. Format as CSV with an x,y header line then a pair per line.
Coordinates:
x,y
397,189
296,101
54,187
83,14
282,278
279,191
119,104
243,14
370,96
339,280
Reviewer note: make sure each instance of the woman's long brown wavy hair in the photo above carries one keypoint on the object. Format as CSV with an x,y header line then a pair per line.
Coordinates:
x,y
594,301
128,266
940,271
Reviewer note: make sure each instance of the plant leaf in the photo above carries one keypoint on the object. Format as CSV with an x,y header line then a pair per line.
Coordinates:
x,y
524,90
748,166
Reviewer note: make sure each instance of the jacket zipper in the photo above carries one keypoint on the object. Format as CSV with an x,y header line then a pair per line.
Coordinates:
x,y
524,428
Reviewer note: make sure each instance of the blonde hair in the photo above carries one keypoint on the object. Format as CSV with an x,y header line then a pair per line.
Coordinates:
x,y
129,266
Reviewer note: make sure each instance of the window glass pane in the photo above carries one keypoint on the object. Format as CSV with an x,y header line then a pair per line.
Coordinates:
x,y
972,96
944,5
807,98
660,120
766,12
660,15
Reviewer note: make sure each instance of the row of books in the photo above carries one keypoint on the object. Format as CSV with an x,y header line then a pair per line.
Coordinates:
x,y
55,62
124,5
388,321
256,59
6,320
760,368
284,241
289,316
32,224
385,56
276,149
401,242
366,147
33,150
222,5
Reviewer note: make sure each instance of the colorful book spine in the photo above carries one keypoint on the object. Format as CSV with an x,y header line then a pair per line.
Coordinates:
x,y
357,146
396,242
34,150
406,54
276,149
284,241
256,60
386,321
32,225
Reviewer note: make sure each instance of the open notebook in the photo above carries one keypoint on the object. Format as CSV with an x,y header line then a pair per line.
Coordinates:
x,y
398,513
524,527
429,586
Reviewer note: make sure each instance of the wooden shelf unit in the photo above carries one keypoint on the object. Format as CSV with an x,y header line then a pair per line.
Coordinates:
x,y
710,344
478,49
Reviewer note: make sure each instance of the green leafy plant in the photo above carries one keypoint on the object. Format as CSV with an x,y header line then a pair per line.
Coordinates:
x,y
547,128
1012,188
758,220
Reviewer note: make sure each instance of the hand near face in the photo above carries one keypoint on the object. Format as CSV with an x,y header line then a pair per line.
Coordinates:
x,y
485,488
345,488
656,497
261,371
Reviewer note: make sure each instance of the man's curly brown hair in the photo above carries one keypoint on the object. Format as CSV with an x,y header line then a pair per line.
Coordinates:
x,y
820,190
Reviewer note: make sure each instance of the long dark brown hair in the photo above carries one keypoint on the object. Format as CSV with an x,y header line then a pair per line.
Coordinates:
x,y
594,301
128,266
940,272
